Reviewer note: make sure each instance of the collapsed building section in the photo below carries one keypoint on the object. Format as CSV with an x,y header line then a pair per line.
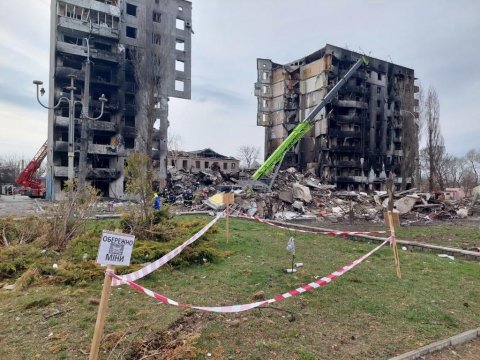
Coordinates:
x,y
112,34
366,132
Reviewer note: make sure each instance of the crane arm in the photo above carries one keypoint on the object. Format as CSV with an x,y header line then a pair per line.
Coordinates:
x,y
27,176
304,126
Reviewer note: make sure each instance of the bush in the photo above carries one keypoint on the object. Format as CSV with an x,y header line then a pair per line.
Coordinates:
x,y
25,231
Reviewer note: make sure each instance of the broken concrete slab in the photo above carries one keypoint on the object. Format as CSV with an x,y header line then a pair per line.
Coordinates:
x,y
301,192
405,204
298,205
286,196
215,202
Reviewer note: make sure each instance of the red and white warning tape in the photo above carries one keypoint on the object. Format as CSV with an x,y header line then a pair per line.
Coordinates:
x,y
335,233
244,307
119,280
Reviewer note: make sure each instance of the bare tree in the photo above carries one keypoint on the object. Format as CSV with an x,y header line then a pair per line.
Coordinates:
x,y
69,217
150,70
248,154
148,73
473,159
10,168
174,145
435,144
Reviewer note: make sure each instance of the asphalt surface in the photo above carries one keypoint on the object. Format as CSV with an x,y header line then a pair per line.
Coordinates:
x,y
19,205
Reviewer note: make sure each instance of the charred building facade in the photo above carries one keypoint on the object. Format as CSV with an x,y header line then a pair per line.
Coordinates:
x,y
97,42
366,132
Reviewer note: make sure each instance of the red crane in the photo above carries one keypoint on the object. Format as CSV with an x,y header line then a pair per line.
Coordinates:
x,y
27,178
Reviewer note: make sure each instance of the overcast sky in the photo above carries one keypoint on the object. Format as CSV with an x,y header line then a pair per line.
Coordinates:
x,y
439,39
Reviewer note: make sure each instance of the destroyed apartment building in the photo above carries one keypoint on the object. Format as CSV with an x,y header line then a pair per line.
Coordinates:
x,y
117,38
367,131
200,160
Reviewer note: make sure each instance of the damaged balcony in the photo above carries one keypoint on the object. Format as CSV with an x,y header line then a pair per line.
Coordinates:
x,y
81,50
62,146
351,119
102,173
347,163
351,104
62,121
107,6
101,149
68,24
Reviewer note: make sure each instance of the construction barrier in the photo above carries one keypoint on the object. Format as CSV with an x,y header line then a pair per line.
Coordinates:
x,y
244,307
119,280
334,233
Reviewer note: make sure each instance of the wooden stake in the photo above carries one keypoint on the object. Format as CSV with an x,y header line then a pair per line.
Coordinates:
x,y
392,226
394,243
228,218
102,313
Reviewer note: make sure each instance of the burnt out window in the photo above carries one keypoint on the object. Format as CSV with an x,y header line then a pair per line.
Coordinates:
x,y
156,39
156,17
131,32
129,143
131,9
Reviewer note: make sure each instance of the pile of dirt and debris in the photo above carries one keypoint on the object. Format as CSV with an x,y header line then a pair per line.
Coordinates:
x,y
295,195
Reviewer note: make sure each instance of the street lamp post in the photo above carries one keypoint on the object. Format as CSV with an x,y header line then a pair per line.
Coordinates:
x,y
417,157
71,116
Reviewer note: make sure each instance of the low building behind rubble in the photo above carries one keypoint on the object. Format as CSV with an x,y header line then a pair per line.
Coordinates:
x,y
196,161
361,136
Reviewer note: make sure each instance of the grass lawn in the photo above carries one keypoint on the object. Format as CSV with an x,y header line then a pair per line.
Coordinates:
x,y
366,314
463,235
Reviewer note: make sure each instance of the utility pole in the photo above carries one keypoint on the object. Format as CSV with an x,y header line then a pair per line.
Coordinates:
x,y
84,125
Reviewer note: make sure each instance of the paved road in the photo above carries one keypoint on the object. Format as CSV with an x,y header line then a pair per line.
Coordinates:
x,y
18,205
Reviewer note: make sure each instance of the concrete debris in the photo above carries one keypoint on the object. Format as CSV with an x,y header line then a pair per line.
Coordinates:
x,y
301,192
298,205
297,196
286,196
462,213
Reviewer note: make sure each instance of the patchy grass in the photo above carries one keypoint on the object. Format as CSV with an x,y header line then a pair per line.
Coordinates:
x,y
366,314
463,235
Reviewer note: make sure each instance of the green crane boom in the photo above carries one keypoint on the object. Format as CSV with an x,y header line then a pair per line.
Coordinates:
x,y
304,126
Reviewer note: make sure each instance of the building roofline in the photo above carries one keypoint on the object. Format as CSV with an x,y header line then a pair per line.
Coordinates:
x,y
321,52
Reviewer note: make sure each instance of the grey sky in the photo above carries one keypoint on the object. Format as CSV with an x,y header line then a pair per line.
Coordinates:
x,y
439,39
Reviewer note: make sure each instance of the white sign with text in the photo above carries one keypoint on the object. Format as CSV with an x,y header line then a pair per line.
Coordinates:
x,y
115,249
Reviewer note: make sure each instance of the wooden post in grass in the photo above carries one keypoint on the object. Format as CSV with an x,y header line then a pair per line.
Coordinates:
x,y
391,225
101,315
227,200
115,249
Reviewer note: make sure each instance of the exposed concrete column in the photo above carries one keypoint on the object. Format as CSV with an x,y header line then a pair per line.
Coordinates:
x,y
163,142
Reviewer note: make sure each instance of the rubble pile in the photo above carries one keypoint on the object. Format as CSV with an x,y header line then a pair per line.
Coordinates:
x,y
302,196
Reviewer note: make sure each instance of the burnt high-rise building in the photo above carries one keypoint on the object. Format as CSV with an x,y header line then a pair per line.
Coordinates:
x,y
367,131
107,36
